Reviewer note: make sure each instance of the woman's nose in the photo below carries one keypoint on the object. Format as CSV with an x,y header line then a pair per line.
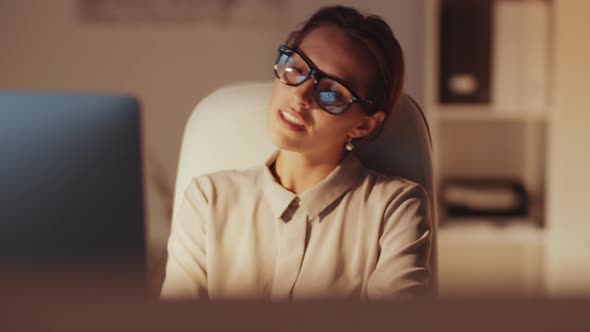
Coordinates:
x,y
304,93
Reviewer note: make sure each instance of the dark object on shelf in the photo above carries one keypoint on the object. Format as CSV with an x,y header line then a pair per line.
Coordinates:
x,y
465,51
484,198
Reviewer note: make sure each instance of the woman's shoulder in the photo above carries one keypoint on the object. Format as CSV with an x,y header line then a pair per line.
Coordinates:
x,y
379,179
231,177
390,187
394,195
228,182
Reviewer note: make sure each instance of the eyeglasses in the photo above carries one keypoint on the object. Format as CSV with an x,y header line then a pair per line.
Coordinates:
x,y
331,95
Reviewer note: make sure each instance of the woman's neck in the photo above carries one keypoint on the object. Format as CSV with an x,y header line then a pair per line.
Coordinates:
x,y
298,172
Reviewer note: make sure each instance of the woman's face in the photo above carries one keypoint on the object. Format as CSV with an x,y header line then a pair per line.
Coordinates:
x,y
319,132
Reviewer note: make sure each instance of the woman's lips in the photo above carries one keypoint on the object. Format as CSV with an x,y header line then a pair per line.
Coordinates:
x,y
290,125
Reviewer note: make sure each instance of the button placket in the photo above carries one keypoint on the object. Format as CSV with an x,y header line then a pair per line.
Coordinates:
x,y
291,252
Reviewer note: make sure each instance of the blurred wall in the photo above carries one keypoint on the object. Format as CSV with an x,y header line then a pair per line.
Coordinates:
x,y
45,46
568,246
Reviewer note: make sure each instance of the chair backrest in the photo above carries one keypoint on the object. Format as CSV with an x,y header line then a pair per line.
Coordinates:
x,y
227,130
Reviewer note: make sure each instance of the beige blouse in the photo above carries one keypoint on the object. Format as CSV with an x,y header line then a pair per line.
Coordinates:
x,y
355,235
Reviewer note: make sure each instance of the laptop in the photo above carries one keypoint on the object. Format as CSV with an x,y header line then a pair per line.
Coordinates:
x,y
71,193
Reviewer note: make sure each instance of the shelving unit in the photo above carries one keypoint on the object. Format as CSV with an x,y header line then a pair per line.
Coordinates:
x,y
477,256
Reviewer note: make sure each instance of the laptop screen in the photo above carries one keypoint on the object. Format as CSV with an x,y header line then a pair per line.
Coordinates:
x,y
70,178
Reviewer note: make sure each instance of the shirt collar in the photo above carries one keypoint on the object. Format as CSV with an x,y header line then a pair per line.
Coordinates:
x,y
316,199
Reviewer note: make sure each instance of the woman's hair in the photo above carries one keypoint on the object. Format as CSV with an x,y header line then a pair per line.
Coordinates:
x,y
372,33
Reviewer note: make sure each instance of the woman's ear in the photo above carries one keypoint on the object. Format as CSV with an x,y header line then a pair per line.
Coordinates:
x,y
366,126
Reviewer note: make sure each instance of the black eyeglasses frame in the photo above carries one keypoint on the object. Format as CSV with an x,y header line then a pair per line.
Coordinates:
x,y
318,75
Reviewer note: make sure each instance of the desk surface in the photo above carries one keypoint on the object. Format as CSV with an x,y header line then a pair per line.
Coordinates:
x,y
80,304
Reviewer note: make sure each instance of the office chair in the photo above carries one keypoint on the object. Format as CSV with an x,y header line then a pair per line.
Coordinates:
x,y
227,130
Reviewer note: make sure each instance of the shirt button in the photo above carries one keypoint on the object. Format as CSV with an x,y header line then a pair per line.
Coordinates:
x,y
298,201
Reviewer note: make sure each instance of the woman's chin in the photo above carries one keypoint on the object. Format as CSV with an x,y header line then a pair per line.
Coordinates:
x,y
284,142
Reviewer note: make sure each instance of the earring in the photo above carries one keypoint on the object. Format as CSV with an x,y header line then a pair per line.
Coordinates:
x,y
349,145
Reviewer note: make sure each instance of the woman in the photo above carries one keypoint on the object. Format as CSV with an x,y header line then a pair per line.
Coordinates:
x,y
312,222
